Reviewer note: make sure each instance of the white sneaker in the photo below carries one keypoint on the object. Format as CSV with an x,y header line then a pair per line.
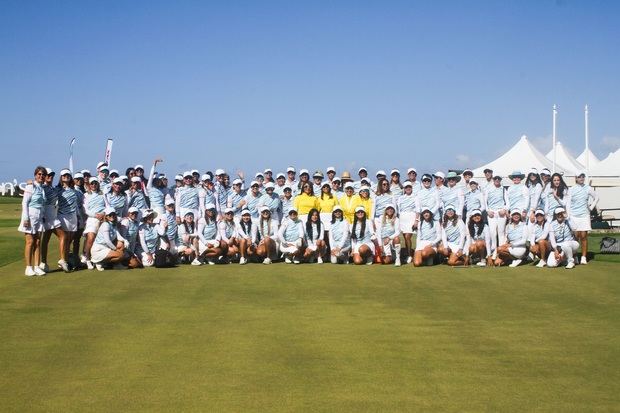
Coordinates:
x,y
43,266
515,263
397,262
319,260
296,261
196,261
287,260
334,259
38,271
541,264
243,261
409,259
83,259
482,263
63,264
210,262
267,261
570,265
584,260
89,265
99,267
369,260
29,272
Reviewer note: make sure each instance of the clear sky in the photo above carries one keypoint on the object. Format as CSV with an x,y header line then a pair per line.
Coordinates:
x,y
251,84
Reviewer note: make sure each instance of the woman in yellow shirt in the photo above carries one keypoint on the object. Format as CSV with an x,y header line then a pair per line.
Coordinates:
x,y
305,201
366,201
327,202
348,202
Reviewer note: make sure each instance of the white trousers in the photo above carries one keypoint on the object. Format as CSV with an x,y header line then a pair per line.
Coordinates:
x,y
568,250
497,227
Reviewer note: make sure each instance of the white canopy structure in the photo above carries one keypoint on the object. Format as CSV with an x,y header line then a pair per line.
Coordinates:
x,y
564,160
522,156
591,158
609,166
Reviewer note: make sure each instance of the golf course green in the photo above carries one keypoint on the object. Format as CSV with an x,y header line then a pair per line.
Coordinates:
x,y
311,338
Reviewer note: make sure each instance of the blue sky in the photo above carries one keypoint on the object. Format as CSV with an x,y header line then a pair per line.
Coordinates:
x,y
255,84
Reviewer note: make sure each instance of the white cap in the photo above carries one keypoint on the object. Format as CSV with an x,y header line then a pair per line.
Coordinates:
x,y
280,175
132,210
264,208
109,210
93,179
450,207
219,172
267,171
412,170
337,208
228,210
362,169
136,179
168,200
303,171
439,174
188,212
380,172
163,176
269,185
394,171
148,212
558,210
545,171
195,171
49,171
102,165
515,211
124,177
259,174
138,167
254,183
114,171
178,177
473,181
359,208
579,173
336,179
467,170
85,171
407,183
365,180
292,210
237,181
348,185
533,171
210,205
539,212
364,188
476,212
290,169
330,169
65,171
245,212
205,177
117,180
78,175
390,206
187,173
287,186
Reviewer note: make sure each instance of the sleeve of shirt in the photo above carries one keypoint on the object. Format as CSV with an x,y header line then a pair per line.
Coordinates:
x,y
461,225
221,229
444,235
592,194
438,232
149,183
200,229
552,240
487,239
177,205
26,202
396,227
281,232
145,248
461,205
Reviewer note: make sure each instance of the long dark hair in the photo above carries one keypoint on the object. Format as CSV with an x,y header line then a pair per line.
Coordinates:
x,y
247,227
454,220
562,188
362,228
330,191
309,222
380,190
472,228
334,215
430,221
193,227
529,183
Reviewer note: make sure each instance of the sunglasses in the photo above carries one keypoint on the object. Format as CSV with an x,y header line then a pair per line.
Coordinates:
x,y
229,213
426,180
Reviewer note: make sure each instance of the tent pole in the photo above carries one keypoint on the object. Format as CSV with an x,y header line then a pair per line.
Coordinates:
x,y
555,112
587,144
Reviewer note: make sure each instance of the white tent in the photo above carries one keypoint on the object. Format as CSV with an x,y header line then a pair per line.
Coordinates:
x,y
609,166
591,157
522,157
564,160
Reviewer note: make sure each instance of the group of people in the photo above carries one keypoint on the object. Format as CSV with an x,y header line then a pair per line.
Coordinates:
x,y
108,219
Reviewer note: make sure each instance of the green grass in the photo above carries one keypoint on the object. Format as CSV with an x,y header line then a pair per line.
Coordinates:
x,y
310,338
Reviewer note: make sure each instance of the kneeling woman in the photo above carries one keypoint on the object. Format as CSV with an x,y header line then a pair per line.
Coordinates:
x,y
539,237
109,245
228,234
209,241
315,242
129,229
428,238
339,237
478,243
563,243
245,235
362,237
188,237
388,233
266,236
150,235
291,237
514,250
453,235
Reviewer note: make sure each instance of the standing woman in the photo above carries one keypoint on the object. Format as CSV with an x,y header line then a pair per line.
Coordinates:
x,y
291,237
495,199
68,210
557,195
453,235
150,235
478,243
582,199
383,198
534,188
252,199
339,237
453,194
563,243
388,234
50,218
235,199
407,206
265,236
514,250
155,190
287,202
539,237
187,199
517,195
272,201
474,198
396,187
94,205
327,202
31,224
245,235
428,238
305,201
135,195
315,241
116,198
348,202
78,181
362,237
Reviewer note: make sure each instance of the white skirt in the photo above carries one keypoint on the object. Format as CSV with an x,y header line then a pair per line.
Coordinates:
x,y
92,226
51,218
580,223
355,246
453,246
35,216
326,220
407,220
517,252
421,244
99,252
68,223
211,243
293,248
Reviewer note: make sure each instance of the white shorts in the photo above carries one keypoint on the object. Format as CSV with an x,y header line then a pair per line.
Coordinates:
x,y
292,248
355,247
211,243
146,262
421,244
326,220
453,246
99,252
407,220
35,216
517,252
92,226
580,223
312,246
68,223
50,220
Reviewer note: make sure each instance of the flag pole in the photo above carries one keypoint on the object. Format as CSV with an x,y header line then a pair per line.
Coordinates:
x,y
587,132
555,113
